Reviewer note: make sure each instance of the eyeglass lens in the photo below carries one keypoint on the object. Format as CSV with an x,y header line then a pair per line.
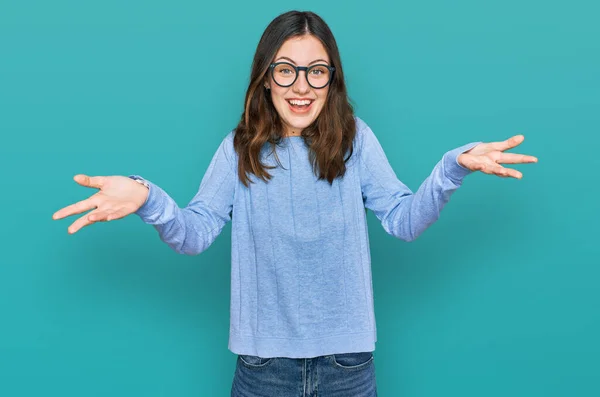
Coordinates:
x,y
317,75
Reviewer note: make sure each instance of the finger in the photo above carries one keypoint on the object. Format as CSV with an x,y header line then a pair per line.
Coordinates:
x,y
508,144
514,158
90,181
496,170
80,223
102,216
507,172
121,213
77,208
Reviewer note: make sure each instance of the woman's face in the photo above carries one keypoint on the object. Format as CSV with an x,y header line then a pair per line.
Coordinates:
x,y
305,50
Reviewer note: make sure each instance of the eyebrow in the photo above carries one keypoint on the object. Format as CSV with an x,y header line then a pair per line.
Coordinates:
x,y
315,61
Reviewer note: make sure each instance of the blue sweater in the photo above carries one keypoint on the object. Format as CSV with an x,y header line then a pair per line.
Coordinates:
x,y
300,261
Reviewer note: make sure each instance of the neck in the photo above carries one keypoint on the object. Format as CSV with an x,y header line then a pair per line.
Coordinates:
x,y
292,132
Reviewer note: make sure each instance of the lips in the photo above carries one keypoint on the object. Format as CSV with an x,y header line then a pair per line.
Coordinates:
x,y
301,105
300,102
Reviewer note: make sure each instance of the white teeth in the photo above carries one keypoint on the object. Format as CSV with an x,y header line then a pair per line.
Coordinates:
x,y
299,103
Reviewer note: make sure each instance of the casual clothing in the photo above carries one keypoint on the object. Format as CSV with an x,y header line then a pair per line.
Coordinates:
x,y
339,375
301,282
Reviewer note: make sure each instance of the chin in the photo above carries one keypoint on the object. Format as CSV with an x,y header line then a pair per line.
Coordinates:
x,y
300,122
301,125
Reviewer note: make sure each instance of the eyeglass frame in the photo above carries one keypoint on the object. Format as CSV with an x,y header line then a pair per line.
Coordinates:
x,y
298,69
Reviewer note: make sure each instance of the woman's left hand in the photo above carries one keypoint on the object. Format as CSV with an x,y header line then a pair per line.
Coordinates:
x,y
486,157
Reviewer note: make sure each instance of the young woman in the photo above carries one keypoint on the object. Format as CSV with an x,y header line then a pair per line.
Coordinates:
x,y
295,177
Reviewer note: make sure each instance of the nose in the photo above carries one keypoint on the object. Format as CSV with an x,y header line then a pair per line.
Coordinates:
x,y
301,84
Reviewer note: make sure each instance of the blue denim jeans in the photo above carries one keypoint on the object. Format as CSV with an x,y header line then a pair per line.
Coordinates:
x,y
337,375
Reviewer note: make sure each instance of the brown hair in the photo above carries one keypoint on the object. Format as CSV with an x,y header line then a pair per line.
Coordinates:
x,y
329,137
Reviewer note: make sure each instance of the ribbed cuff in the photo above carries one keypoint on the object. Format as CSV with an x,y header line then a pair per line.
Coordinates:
x,y
152,205
452,169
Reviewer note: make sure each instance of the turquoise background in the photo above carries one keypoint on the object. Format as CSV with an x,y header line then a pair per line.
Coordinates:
x,y
498,298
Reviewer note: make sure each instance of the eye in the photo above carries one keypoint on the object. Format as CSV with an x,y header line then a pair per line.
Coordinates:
x,y
319,71
284,70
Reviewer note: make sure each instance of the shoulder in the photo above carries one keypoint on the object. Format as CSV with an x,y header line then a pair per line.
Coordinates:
x,y
364,134
225,152
228,139
227,147
360,124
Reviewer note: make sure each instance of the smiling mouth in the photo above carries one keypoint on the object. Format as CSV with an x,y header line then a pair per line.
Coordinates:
x,y
300,105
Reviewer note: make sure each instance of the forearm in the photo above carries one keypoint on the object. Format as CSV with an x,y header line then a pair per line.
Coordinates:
x,y
189,230
414,213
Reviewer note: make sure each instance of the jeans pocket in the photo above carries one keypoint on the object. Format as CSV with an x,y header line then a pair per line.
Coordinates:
x,y
352,360
254,361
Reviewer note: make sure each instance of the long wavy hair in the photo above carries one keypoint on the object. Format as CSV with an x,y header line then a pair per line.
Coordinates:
x,y
330,137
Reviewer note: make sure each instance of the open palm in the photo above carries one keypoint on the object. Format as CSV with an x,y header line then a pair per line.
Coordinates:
x,y
487,157
118,197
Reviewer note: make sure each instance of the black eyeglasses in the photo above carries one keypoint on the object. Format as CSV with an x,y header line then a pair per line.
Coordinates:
x,y
285,74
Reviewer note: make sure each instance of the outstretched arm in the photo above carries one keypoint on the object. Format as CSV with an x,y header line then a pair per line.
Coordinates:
x,y
192,229
404,214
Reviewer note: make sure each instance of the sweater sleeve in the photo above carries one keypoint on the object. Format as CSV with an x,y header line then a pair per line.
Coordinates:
x,y
192,229
404,214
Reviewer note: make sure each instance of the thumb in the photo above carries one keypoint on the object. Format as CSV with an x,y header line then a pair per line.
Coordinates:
x,y
89,181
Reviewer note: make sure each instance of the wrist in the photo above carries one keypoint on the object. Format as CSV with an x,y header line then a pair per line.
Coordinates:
x,y
141,181
144,189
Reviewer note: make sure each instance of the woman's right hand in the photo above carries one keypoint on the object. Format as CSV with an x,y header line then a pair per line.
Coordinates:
x,y
118,197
